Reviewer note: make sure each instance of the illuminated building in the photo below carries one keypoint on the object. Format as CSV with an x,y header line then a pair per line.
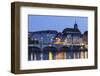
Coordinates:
x,y
53,45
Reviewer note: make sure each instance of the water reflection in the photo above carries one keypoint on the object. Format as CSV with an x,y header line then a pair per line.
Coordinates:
x,y
53,53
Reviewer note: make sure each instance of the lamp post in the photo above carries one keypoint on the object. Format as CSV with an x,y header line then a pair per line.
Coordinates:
x,y
41,47
41,42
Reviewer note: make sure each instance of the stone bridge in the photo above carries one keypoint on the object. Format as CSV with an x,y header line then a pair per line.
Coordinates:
x,y
44,45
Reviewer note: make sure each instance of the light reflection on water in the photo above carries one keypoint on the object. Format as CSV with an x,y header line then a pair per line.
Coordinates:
x,y
47,55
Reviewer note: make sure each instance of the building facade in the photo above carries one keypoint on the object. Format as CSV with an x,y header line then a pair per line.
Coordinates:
x,y
72,36
45,37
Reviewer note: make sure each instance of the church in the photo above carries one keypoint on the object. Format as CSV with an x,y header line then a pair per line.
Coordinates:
x,y
72,36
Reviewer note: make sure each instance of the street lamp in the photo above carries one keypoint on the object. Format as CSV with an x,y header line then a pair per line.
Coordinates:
x,y
41,46
41,42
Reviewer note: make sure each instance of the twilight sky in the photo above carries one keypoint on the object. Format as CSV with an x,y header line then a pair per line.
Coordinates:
x,y
40,22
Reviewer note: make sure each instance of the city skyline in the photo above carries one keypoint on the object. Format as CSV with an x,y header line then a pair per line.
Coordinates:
x,y
58,23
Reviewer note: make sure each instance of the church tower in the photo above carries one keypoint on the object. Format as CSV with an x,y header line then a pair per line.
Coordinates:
x,y
75,25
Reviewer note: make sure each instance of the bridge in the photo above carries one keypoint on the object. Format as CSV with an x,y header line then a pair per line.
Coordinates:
x,y
57,46
46,45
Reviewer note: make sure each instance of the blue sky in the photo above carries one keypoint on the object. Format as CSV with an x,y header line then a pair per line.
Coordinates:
x,y
40,22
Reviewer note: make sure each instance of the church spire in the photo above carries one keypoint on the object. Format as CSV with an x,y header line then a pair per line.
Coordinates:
x,y
75,25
